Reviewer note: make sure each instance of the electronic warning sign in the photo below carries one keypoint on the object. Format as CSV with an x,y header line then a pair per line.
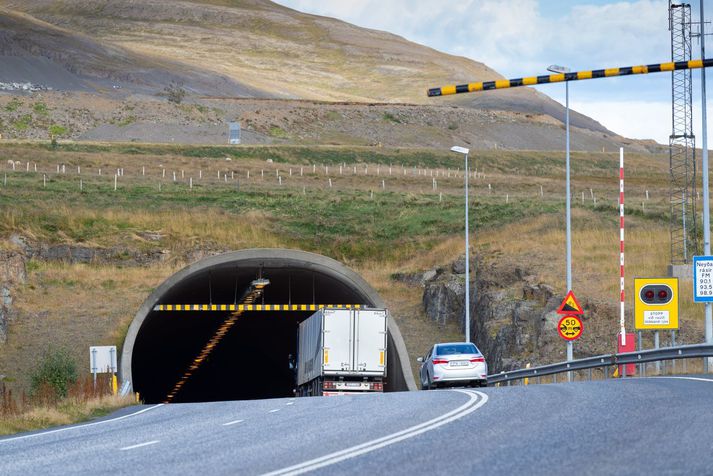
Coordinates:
x,y
570,327
656,303
570,305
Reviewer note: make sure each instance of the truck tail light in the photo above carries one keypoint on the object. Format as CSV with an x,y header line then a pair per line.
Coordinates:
x,y
439,361
329,385
478,359
377,386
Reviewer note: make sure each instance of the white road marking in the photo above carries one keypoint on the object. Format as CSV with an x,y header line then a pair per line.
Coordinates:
x,y
475,401
274,410
687,378
140,445
233,422
80,426
290,403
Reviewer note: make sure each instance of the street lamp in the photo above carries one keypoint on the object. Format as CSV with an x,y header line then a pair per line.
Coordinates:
x,y
464,151
564,70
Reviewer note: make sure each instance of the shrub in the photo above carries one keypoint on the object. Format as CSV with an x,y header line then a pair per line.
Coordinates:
x,y
56,130
13,105
389,117
54,375
175,93
40,108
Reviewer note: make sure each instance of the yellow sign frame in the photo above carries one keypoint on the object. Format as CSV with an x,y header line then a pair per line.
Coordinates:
x,y
646,314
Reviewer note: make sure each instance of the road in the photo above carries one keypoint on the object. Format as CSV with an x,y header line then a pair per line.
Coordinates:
x,y
634,426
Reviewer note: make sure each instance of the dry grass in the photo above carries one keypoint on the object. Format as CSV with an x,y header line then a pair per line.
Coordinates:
x,y
94,304
82,304
74,409
538,245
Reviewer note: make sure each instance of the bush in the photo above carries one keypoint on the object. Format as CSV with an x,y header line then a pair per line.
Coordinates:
x,y
55,373
175,93
56,130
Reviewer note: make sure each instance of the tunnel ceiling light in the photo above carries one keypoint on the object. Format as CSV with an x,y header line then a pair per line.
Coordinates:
x,y
250,307
251,294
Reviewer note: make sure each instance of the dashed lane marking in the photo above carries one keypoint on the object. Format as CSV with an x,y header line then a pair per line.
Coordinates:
x,y
140,445
234,422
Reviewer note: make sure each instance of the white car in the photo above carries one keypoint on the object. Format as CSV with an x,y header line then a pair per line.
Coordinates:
x,y
453,364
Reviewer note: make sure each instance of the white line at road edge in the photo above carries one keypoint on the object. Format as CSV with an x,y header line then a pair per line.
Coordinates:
x,y
475,401
140,445
686,378
80,426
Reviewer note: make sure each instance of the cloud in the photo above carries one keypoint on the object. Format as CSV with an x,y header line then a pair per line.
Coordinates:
x,y
522,37
517,37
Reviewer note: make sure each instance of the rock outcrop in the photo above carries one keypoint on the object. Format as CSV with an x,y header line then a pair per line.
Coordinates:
x,y
12,274
513,317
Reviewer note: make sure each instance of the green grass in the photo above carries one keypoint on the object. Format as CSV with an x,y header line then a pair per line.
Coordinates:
x,y
13,105
56,130
40,108
348,223
23,123
389,117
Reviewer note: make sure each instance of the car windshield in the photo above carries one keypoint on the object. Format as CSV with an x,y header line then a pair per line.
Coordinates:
x,y
451,349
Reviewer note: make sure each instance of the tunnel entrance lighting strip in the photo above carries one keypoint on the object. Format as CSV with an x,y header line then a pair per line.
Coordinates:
x,y
250,296
575,76
251,307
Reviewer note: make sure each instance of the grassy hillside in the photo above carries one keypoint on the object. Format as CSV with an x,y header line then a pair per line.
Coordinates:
x,y
266,49
381,215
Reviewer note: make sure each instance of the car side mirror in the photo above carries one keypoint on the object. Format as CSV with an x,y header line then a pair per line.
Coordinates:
x,y
419,359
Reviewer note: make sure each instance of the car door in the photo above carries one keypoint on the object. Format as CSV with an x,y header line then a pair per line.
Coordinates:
x,y
424,367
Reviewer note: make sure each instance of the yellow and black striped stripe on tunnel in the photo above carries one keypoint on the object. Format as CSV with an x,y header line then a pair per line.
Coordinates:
x,y
575,76
251,307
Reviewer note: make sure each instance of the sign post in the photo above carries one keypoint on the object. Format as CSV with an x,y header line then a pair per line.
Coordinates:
x,y
570,309
703,278
570,327
656,306
102,359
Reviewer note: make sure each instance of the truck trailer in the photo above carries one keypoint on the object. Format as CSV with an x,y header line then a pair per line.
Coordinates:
x,y
342,351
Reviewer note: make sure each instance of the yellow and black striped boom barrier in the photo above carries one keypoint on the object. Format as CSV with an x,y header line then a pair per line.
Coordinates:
x,y
251,307
574,76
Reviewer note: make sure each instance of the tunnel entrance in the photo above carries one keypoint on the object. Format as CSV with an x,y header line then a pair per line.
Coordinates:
x,y
253,359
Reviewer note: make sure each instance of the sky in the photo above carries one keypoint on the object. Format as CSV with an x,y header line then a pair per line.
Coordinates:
x,y
523,37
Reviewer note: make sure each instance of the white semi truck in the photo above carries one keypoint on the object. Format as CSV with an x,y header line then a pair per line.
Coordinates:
x,y
342,351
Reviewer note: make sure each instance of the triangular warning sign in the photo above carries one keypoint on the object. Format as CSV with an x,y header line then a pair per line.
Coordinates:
x,y
570,305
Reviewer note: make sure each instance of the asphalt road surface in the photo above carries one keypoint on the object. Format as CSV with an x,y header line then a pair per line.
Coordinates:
x,y
633,426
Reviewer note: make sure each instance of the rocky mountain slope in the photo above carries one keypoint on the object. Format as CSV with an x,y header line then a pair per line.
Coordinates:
x,y
238,48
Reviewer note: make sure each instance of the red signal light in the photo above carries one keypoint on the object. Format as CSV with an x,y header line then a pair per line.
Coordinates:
x,y
663,295
649,294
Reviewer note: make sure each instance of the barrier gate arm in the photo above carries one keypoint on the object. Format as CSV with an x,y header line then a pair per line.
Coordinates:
x,y
574,76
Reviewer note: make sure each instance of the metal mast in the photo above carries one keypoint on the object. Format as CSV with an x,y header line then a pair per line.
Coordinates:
x,y
682,142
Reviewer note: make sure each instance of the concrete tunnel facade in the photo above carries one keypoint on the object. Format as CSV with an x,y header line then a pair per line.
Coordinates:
x,y
252,359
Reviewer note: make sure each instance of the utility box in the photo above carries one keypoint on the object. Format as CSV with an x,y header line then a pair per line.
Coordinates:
x,y
234,133
656,303
629,347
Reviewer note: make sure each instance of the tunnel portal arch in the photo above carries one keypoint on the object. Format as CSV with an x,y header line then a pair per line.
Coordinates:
x,y
159,345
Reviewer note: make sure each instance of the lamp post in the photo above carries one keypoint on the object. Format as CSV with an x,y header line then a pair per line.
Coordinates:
x,y
706,193
465,151
564,70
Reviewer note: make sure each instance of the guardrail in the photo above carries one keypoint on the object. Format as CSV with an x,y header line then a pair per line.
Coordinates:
x,y
606,361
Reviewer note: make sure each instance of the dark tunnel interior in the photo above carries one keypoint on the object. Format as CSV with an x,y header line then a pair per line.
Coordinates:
x,y
252,360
